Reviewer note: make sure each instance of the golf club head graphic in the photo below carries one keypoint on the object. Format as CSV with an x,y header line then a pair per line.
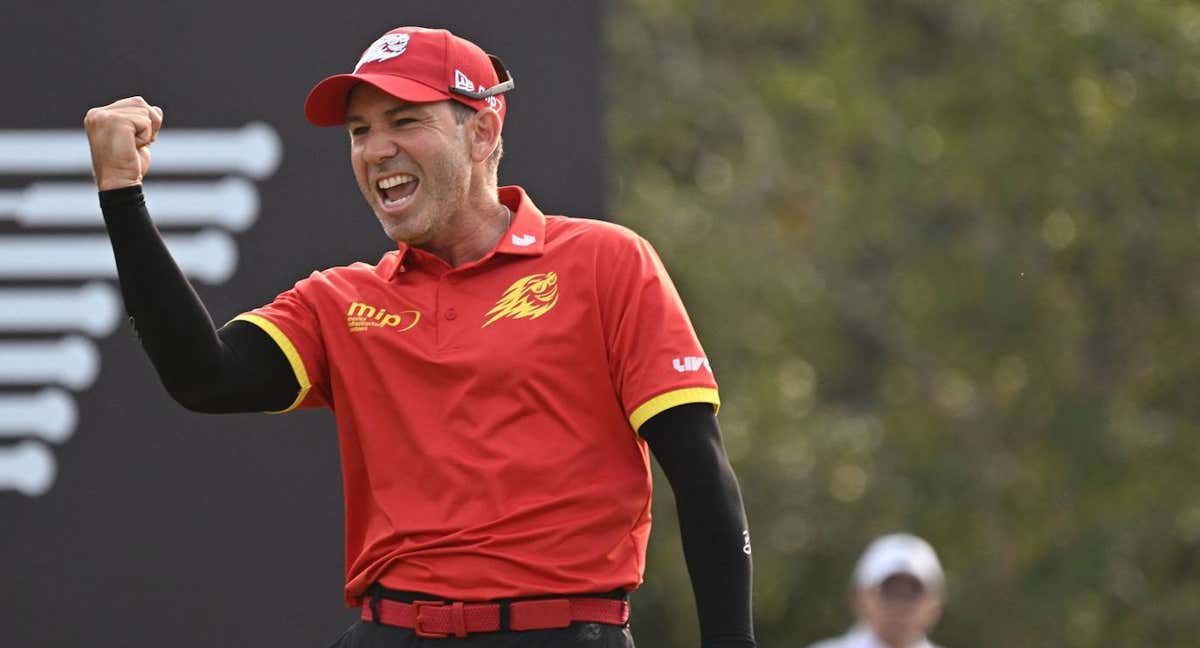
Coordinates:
x,y
57,294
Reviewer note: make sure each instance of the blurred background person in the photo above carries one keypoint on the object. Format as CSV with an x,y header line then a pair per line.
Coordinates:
x,y
898,595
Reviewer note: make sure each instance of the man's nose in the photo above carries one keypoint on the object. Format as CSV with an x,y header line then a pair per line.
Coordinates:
x,y
378,149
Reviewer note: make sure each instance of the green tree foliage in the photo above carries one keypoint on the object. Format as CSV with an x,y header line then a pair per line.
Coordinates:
x,y
943,256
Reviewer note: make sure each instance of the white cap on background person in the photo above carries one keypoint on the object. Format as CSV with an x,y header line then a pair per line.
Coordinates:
x,y
899,553
898,595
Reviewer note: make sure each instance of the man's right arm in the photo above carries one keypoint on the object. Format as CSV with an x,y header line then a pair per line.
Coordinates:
x,y
236,369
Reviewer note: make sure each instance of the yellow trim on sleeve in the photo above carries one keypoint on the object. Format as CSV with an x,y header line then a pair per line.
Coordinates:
x,y
670,399
288,349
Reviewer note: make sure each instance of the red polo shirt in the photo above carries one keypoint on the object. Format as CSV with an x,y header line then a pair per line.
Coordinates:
x,y
487,414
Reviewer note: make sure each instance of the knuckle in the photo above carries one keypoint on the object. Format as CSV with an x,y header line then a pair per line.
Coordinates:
x,y
95,117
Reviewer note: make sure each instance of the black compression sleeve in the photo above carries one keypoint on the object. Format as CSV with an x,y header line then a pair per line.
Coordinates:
x,y
686,441
236,369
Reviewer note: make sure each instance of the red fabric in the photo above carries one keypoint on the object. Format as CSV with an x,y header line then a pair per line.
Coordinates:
x,y
532,615
459,619
489,454
415,64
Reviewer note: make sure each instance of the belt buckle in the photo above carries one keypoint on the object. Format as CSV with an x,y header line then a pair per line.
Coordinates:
x,y
417,606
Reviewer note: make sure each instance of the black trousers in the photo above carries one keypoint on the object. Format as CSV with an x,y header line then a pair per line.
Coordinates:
x,y
365,634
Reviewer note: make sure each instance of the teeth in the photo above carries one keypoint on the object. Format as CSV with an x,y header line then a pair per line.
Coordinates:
x,y
388,183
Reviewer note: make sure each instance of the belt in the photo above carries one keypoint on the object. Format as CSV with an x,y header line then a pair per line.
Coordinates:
x,y
438,619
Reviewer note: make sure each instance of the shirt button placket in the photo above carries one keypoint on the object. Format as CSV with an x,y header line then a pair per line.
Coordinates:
x,y
448,294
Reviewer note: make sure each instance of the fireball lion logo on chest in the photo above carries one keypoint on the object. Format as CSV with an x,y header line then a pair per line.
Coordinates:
x,y
527,298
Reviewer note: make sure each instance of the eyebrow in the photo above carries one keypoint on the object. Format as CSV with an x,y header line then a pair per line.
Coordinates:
x,y
387,113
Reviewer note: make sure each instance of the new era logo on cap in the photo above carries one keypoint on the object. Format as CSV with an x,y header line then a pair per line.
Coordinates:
x,y
463,82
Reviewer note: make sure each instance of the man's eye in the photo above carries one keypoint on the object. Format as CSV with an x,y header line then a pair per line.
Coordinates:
x,y
358,131
403,122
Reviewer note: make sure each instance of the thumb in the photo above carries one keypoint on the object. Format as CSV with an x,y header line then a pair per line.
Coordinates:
x,y
156,121
144,159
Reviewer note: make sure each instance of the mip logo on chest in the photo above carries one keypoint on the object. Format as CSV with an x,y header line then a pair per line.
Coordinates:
x,y
362,316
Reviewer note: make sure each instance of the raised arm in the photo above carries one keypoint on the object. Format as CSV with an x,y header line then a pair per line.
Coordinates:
x,y
236,369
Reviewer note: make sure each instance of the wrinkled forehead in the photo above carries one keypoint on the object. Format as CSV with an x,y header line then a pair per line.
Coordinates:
x,y
364,100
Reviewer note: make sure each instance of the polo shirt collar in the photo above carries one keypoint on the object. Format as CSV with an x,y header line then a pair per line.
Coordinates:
x,y
390,262
526,235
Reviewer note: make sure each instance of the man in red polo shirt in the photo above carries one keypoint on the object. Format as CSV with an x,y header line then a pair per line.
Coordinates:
x,y
498,381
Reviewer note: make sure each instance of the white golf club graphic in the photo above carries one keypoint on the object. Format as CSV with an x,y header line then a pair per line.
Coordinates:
x,y
93,308
210,256
72,361
253,150
49,414
231,203
27,468
36,371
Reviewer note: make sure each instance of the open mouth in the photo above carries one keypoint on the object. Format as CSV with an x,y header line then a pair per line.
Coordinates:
x,y
396,190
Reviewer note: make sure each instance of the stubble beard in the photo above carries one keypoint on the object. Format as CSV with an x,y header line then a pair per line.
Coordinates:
x,y
444,195
444,189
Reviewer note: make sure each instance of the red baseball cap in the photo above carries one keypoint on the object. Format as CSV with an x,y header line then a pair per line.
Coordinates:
x,y
418,65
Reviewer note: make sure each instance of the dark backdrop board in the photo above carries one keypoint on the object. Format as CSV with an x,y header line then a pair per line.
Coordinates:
x,y
166,527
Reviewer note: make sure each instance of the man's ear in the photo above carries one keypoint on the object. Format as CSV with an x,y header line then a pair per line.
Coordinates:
x,y
485,134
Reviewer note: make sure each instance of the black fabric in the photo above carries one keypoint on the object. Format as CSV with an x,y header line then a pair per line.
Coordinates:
x,y
364,634
236,369
686,441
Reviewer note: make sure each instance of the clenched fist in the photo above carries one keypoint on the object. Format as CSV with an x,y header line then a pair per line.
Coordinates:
x,y
120,135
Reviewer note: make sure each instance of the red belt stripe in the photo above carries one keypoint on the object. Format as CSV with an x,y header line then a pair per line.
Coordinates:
x,y
439,619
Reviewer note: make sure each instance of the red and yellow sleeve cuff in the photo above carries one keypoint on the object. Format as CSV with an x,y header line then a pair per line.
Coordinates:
x,y
289,350
666,401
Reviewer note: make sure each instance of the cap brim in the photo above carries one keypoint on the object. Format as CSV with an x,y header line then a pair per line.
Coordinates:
x,y
876,579
326,103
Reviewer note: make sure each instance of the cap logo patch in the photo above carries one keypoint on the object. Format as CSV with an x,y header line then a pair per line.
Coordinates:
x,y
463,82
387,47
